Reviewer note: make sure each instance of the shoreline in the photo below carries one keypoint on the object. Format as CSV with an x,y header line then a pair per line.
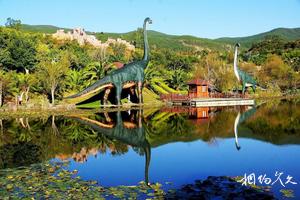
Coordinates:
x,y
71,109
62,109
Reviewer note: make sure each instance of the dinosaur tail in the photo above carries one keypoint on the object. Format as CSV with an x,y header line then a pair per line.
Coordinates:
x,y
91,88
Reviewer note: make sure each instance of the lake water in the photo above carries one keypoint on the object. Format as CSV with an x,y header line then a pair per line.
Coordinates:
x,y
171,145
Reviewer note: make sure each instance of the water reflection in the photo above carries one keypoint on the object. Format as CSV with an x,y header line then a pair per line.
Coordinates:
x,y
79,138
129,131
240,118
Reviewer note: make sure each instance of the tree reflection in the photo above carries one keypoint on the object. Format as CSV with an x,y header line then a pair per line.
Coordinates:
x,y
77,137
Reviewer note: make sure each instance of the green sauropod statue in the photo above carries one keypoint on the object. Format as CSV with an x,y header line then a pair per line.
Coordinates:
x,y
128,76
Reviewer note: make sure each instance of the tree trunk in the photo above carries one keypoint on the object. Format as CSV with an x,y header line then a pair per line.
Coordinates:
x,y
1,126
26,94
1,92
17,102
52,95
27,88
20,100
27,124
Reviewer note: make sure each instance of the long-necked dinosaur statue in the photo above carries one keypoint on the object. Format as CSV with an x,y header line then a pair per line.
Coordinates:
x,y
243,77
125,77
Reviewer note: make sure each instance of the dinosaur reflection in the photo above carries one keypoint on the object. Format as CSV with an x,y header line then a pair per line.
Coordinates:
x,y
130,132
240,118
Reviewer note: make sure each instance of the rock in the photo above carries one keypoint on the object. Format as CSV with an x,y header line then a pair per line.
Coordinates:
x,y
221,187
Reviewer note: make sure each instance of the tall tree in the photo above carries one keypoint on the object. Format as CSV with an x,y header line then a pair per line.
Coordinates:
x,y
13,23
52,70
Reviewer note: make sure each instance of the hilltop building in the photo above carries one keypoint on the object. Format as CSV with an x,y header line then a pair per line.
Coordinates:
x,y
82,38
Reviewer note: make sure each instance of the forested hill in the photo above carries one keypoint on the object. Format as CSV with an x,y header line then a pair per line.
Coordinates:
x,y
288,34
184,42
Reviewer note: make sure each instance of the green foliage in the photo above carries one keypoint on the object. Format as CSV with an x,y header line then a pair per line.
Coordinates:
x,y
270,45
178,79
17,50
214,67
276,73
292,57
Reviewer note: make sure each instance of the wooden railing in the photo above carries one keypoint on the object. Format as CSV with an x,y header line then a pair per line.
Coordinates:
x,y
185,97
175,97
227,95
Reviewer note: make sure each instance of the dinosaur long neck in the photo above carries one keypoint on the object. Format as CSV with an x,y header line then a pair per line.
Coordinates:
x,y
147,150
236,123
146,46
235,67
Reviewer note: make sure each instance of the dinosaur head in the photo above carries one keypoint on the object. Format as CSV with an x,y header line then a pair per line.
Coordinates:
x,y
237,45
148,20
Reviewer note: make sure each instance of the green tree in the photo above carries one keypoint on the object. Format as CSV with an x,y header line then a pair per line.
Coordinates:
x,y
138,38
17,50
276,73
52,71
3,83
12,23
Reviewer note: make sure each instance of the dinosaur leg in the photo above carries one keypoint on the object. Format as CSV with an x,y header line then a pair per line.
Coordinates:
x,y
244,87
140,115
118,94
254,88
106,94
140,93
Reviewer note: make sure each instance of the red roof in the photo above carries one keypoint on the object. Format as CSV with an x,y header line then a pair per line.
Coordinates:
x,y
198,82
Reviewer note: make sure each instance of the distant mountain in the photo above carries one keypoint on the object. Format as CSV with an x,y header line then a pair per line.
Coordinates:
x,y
162,40
41,28
183,42
286,33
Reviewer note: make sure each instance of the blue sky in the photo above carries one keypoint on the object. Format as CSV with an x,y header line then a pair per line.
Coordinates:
x,y
202,18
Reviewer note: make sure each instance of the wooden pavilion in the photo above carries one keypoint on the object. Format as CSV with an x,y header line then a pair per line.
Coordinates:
x,y
198,88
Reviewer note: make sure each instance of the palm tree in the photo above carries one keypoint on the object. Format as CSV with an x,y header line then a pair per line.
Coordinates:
x,y
95,71
75,79
178,79
24,83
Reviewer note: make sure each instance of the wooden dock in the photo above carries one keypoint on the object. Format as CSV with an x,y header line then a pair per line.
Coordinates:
x,y
210,102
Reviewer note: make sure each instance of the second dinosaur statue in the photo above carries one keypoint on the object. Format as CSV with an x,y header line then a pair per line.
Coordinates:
x,y
243,77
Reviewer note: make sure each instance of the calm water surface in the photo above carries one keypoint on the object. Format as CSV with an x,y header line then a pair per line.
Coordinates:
x,y
173,145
